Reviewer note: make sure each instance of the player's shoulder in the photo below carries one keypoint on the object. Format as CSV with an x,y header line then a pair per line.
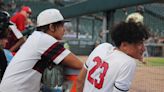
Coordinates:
x,y
103,50
124,57
105,46
43,38
17,15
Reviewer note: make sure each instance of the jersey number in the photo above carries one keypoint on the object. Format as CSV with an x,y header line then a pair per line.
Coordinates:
x,y
99,64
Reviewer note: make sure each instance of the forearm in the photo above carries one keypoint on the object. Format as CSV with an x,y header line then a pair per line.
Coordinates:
x,y
72,61
80,85
17,45
81,80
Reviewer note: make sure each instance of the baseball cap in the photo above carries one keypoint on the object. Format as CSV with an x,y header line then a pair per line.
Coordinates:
x,y
136,17
49,16
27,9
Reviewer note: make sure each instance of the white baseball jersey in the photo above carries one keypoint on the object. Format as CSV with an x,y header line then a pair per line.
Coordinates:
x,y
24,72
109,70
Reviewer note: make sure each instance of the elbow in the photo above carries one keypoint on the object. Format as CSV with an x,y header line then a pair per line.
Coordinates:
x,y
80,66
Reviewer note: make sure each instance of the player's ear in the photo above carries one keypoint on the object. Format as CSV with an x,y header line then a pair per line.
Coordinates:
x,y
51,27
123,45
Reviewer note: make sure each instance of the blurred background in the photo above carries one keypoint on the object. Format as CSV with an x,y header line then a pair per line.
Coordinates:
x,y
90,25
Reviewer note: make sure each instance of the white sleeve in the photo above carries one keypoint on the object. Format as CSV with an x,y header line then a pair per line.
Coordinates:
x,y
125,77
61,56
16,31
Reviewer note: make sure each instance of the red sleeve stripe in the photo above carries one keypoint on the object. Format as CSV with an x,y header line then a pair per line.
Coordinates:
x,y
54,51
50,48
58,53
47,58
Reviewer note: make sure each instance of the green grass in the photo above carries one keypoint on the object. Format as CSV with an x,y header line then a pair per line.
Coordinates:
x,y
155,61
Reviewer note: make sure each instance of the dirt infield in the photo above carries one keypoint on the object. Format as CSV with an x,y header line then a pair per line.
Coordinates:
x,y
147,78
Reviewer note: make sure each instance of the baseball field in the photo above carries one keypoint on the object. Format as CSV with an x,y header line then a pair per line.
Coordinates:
x,y
149,77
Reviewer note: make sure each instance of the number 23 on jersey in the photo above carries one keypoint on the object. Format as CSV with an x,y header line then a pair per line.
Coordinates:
x,y
99,65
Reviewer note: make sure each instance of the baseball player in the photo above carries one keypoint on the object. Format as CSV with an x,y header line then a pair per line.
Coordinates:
x,y
20,18
42,48
4,25
109,68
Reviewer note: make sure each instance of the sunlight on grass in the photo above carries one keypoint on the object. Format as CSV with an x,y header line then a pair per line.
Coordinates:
x,y
155,61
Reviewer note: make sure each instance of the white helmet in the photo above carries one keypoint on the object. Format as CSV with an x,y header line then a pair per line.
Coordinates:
x,y
49,16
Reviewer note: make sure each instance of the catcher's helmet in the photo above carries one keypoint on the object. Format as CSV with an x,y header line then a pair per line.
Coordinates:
x,y
4,23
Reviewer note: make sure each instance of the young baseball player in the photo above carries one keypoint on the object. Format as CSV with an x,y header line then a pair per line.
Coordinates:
x,y
41,49
109,68
4,26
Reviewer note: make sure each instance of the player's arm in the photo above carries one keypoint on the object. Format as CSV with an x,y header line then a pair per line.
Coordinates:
x,y
17,45
81,80
72,61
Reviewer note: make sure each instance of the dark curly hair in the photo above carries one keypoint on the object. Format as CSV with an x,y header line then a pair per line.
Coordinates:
x,y
130,32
